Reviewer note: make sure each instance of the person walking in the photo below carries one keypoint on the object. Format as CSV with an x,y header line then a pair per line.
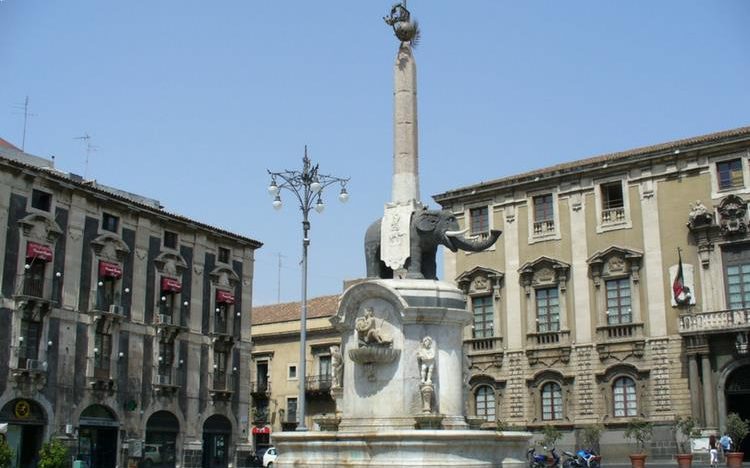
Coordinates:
x,y
726,445
713,450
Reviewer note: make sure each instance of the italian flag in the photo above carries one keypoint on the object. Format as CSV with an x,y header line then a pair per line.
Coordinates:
x,y
679,290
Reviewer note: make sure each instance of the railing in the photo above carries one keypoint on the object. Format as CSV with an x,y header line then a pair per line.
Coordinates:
x,y
478,345
101,372
544,227
620,331
33,287
260,387
318,383
223,381
165,376
220,325
32,364
164,319
548,338
721,320
613,215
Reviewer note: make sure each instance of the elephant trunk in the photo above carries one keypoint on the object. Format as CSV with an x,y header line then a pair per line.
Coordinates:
x,y
476,243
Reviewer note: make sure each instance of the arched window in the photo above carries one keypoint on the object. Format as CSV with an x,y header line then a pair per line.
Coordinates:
x,y
624,398
552,404
484,400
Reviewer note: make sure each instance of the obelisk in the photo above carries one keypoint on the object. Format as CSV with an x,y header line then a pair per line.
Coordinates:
x,y
394,233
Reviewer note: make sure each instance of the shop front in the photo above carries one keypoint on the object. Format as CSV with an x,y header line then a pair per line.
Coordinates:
x,y
98,430
26,422
162,430
217,440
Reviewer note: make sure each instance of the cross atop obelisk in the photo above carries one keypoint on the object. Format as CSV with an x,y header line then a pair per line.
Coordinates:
x,y
395,232
405,130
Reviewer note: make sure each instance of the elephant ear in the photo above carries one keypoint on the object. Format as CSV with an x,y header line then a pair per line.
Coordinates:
x,y
426,221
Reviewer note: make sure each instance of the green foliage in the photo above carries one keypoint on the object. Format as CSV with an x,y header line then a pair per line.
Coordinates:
x,y
6,454
590,436
551,436
685,429
639,431
737,428
54,455
501,426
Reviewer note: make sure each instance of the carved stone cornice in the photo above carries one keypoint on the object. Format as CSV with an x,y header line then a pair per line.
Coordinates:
x,y
615,261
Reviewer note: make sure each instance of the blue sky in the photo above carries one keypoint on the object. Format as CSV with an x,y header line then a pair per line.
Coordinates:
x,y
191,101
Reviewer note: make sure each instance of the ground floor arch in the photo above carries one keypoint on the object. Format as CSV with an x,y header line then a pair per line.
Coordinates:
x,y
160,450
98,430
217,441
737,397
26,423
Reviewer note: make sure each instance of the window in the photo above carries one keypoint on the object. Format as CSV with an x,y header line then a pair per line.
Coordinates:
x,y
110,222
613,203
221,313
292,372
738,286
261,372
291,409
551,402
167,306
625,403
170,239
220,369
547,310
102,355
166,354
483,316
484,402
479,220
324,366
223,255
33,279
730,174
544,216
107,294
31,332
41,200
618,302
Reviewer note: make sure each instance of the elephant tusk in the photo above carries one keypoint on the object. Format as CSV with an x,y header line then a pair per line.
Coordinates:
x,y
456,233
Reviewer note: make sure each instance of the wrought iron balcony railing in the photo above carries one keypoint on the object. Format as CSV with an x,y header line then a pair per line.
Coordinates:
x,y
318,383
260,387
718,321
33,286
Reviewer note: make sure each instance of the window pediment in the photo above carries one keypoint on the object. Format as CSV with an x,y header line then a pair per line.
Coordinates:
x,y
732,215
224,276
41,227
549,375
622,369
544,271
480,279
170,263
110,246
615,261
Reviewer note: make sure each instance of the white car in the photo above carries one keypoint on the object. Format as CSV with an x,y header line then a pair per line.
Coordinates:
x,y
269,457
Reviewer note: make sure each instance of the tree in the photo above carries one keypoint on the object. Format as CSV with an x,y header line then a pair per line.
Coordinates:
x,y
54,455
6,454
737,428
640,431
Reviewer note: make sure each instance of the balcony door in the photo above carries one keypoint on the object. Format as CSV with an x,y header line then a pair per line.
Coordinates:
x,y
737,276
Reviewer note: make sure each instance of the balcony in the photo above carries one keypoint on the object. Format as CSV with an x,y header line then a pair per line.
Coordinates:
x,y
220,326
260,388
260,416
543,228
548,338
715,322
548,347
613,215
483,345
318,384
619,341
32,298
222,386
33,287
623,331
167,323
165,382
30,374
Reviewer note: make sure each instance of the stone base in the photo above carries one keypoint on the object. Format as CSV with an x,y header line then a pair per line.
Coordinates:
x,y
404,449
428,421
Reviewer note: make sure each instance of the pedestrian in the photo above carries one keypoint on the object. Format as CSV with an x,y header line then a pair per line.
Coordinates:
x,y
713,450
726,445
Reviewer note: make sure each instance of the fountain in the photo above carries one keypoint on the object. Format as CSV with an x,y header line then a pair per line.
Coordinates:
x,y
399,378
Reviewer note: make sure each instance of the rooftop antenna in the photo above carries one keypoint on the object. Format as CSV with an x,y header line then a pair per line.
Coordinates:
x,y
89,149
26,114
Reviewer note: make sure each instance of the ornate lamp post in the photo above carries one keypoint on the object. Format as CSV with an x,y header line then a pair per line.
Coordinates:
x,y
307,185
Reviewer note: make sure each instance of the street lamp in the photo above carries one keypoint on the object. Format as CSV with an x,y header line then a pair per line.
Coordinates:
x,y
307,186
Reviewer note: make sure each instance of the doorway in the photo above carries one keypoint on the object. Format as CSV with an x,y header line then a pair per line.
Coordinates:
x,y
217,440
738,400
98,430
162,429
26,421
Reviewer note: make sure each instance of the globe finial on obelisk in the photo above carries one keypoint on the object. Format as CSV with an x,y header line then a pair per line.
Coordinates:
x,y
405,189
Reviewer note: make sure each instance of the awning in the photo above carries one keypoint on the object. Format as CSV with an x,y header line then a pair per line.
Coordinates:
x,y
109,269
170,284
224,296
38,251
261,430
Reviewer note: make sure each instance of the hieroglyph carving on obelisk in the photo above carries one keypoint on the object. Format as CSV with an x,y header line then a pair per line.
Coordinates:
x,y
394,232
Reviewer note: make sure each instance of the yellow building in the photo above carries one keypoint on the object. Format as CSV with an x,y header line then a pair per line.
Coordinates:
x,y
275,365
575,317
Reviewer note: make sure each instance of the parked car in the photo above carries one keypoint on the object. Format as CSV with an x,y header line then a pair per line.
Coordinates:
x,y
269,457
152,455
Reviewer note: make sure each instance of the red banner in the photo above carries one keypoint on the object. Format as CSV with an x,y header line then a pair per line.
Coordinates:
x,y
261,430
224,296
38,251
109,270
170,284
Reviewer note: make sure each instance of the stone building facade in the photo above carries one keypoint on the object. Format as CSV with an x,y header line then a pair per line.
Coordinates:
x,y
275,365
128,326
575,317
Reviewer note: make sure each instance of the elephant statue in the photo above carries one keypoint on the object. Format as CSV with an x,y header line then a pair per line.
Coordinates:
x,y
427,230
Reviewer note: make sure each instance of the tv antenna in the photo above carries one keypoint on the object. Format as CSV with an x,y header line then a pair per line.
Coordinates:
x,y
89,148
24,108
